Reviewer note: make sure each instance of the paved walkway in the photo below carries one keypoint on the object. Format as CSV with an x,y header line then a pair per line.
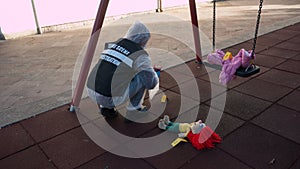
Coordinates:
x,y
259,126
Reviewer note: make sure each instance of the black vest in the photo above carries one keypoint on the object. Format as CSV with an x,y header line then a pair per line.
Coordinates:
x,y
114,71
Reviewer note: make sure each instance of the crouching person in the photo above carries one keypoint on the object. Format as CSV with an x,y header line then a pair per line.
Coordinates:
x,y
123,74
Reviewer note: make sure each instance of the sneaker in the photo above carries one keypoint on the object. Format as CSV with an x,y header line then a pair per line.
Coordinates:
x,y
109,113
136,114
166,119
142,109
162,125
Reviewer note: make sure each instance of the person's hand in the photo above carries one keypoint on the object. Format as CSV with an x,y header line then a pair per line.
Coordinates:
x,y
158,73
157,69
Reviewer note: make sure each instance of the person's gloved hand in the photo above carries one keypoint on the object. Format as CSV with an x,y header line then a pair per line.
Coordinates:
x,y
158,73
157,69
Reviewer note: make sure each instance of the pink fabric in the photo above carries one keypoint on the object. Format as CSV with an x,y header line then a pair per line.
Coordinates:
x,y
246,57
216,58
229,67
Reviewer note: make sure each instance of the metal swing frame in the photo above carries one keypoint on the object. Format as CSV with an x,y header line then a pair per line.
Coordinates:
x,y
87,60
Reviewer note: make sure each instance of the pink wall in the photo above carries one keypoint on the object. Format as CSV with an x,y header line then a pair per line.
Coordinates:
x,y
17,15
53,12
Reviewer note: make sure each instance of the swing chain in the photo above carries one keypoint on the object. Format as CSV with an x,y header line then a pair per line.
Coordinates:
x,y
256,28
214,25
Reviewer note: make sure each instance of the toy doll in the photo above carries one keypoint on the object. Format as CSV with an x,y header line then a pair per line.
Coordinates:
x,y
200,135
229,63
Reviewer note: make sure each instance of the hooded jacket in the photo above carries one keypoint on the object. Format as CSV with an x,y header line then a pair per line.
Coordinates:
x,y
121,61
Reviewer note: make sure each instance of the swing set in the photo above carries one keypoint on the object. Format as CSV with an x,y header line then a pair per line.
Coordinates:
x,y
251,69
87,60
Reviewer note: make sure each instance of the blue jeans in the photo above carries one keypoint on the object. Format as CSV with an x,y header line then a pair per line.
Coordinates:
x,y
135,94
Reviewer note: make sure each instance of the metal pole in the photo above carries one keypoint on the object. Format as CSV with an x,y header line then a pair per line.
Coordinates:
x,y
89,54
159,6
2,37
214,25
38,28
195,26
